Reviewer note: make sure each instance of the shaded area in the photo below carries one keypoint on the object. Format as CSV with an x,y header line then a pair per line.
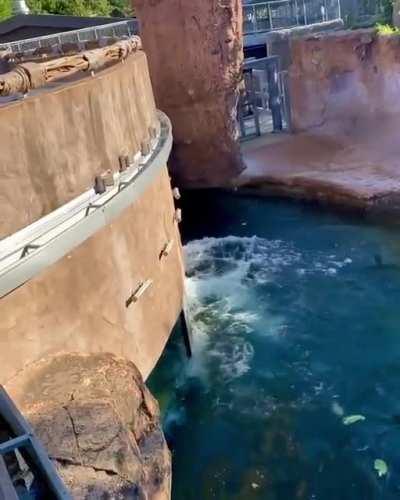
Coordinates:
x,y
345,110
295,320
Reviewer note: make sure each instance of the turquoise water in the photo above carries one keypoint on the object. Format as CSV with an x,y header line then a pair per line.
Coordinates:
x,y
295,315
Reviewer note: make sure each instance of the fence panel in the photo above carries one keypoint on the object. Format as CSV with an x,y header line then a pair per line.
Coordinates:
x,y
280,14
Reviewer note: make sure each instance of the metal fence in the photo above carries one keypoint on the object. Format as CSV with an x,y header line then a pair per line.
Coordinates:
x,y
117,30
279,14
257,17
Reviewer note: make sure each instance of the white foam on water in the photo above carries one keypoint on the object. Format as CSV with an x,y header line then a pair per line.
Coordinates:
x,y
222,274
221,290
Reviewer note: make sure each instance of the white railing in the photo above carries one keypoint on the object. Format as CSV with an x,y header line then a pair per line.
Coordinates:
x,y
30,250
121,29
279,14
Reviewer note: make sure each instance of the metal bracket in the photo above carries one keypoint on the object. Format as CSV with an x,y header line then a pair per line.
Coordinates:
x,y
90,207
140,290
26,249
167,249
178,215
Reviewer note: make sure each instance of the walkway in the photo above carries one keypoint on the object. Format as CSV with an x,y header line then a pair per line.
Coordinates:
x,y
27,252
347,171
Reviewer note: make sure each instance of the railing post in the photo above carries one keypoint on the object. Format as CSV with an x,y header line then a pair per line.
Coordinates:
x,y
270,16
305,13
274,94
255,19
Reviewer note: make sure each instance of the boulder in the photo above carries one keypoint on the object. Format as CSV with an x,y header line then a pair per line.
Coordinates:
x,y
195,55
99,424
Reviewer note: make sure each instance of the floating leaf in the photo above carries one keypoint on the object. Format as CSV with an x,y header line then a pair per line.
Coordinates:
x,y
352,419
381,467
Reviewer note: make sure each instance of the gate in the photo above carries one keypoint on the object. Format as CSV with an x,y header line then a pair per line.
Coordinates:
x,y
264,99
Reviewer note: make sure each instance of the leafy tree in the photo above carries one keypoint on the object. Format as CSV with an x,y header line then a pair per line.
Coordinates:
x,y
5,9
81,7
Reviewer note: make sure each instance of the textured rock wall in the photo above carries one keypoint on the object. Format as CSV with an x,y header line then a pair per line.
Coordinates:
x,y
99,424
195,55
348,81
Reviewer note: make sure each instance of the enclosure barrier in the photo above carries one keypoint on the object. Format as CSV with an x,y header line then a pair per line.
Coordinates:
x,y
22,454
281,14
257,18
29,251
121,29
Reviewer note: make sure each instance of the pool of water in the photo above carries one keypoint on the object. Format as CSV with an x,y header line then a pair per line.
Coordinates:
x,y
295,317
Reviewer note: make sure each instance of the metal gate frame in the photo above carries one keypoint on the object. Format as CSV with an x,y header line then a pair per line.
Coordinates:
x,y
32,451
276,96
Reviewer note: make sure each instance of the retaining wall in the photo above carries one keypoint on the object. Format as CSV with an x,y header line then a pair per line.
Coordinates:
x,y
52,144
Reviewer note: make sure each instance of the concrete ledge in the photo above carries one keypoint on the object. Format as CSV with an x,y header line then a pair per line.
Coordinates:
x,y
46,244
279,42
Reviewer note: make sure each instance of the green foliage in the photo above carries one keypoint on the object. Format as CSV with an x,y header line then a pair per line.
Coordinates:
x,y
387,29
81,7
5,9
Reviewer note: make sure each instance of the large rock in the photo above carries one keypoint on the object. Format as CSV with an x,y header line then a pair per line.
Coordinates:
x,y
347,80
100,425
195,54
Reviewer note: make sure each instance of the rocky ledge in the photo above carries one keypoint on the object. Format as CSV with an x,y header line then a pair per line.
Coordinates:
x,y
100,425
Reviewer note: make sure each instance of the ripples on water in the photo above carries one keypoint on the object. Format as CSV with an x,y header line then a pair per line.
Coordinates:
x,y
295,324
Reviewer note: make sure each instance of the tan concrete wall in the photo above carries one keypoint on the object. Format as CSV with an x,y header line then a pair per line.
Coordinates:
x,y
51,147
54,143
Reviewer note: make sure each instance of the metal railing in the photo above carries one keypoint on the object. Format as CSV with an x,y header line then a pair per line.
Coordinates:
x,y
22,455
121,29
257,18
280,14
30,250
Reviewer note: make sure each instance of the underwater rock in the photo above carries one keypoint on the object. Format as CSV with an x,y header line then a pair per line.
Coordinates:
x,y
99,424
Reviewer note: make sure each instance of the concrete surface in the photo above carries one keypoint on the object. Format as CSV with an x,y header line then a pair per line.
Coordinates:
x,y
52,145
346,114
320,167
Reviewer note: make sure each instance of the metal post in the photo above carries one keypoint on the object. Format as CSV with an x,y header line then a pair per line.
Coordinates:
x,y
272,68
186,334
31,449
253,102
270,16
7,491
305,12
254,20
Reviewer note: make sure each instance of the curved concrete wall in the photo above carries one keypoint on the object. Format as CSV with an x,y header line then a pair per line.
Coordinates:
x,y
53,144
59,140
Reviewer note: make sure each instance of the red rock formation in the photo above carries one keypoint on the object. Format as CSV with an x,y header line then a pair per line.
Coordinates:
x,y
100,425
347,78
345,104
195,55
